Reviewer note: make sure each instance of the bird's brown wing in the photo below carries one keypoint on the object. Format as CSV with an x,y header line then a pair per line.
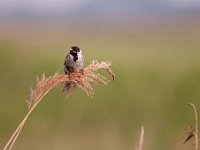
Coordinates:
x,y
65,62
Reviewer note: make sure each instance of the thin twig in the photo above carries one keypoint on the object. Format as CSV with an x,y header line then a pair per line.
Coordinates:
x,y
140,144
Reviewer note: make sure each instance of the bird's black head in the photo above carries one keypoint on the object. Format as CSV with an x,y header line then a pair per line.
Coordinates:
x,y
74,52
75,49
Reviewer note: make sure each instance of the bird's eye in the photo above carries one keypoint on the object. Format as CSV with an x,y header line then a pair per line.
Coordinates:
x,y
72,52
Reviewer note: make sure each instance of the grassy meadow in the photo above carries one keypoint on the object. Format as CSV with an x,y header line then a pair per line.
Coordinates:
x,y
157,67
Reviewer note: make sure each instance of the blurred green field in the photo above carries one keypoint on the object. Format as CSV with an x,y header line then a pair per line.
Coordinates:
x,y
157,71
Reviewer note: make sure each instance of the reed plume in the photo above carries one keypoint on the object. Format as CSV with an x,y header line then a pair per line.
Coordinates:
x,y
84,80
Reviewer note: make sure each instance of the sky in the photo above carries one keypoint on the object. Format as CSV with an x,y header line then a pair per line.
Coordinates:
x,y
10,7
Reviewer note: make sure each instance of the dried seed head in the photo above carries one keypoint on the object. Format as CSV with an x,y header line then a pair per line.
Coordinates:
x,y
84,80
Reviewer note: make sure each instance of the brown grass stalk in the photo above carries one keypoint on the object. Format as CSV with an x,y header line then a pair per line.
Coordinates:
x,y
196,139
141,140
84,80
193,131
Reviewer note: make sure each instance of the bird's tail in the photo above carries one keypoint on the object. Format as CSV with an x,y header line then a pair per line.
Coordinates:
x,y
69,86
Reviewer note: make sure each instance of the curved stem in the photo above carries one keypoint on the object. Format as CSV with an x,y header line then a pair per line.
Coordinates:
x,y
196,126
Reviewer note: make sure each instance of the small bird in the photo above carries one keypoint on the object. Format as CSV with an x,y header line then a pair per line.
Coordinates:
x,y
73,63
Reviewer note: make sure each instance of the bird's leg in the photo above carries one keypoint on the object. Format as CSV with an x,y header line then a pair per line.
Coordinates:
x,y
69,76
82,71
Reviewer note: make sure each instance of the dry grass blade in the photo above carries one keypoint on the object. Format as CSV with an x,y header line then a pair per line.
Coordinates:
x,y
191,134
85,80
140,144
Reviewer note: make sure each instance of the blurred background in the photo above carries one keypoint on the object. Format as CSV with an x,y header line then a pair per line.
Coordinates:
x,y
154,49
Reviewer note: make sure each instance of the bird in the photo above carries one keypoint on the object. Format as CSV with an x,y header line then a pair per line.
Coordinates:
x,y
73,63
